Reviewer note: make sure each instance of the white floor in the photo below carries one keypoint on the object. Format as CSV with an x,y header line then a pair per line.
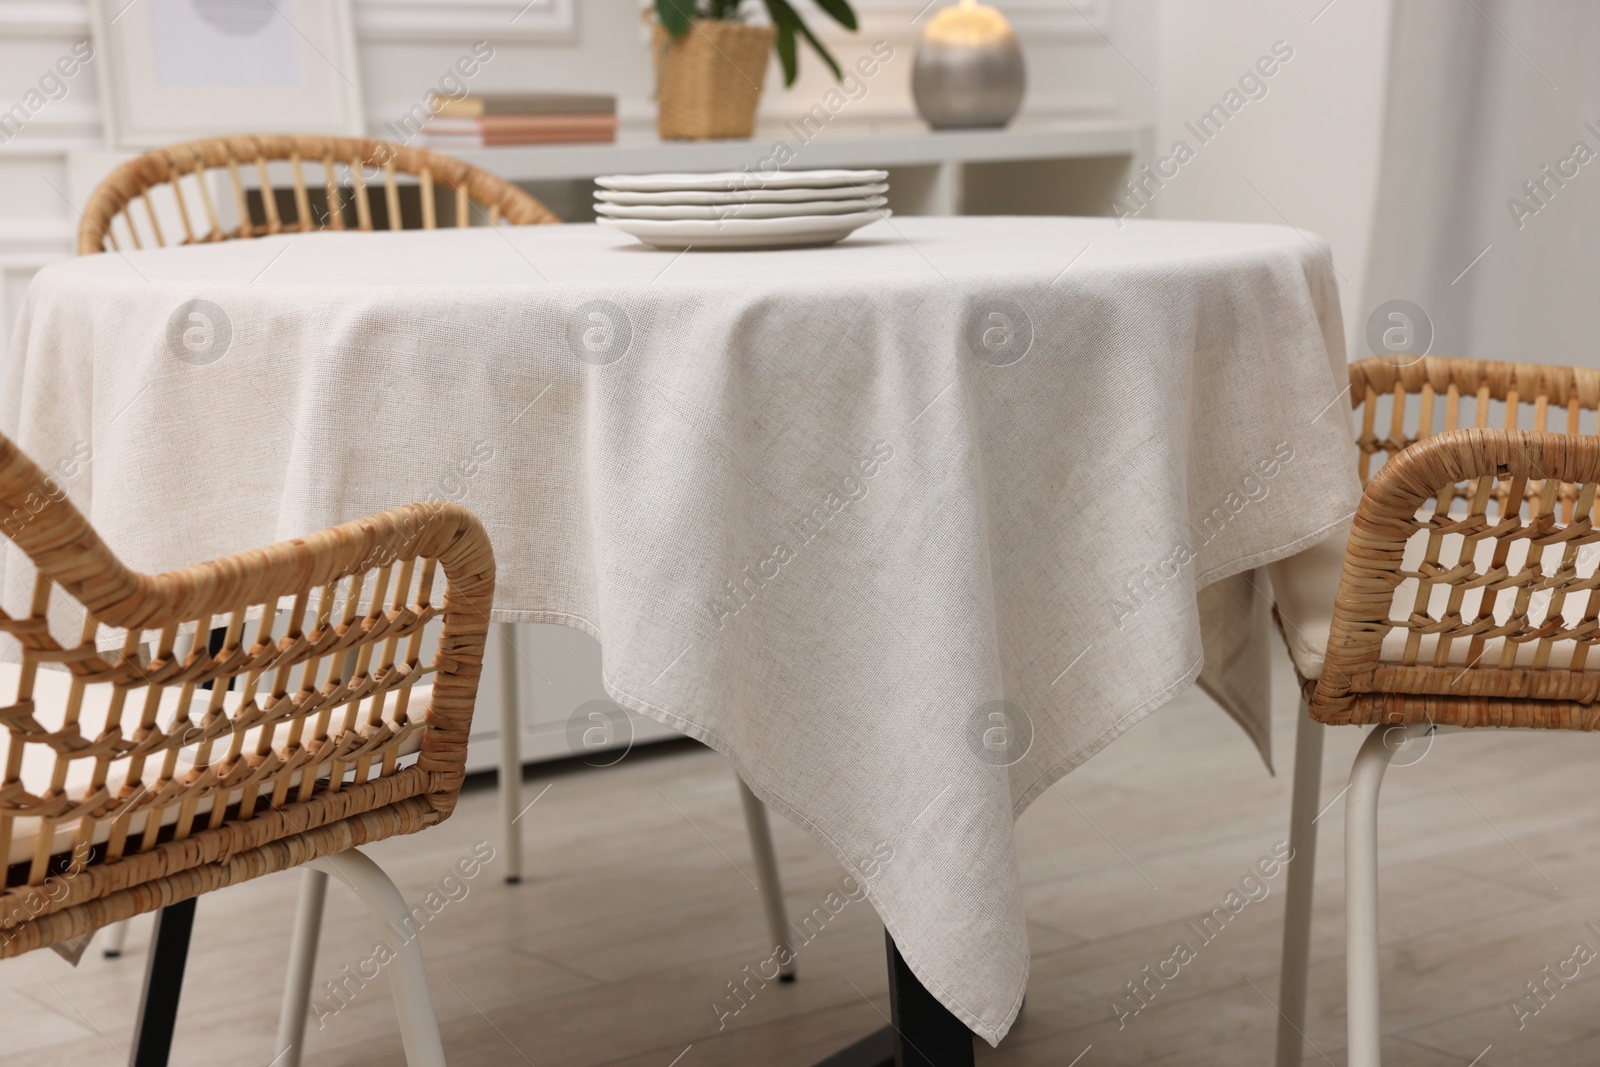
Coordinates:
x,y
635,917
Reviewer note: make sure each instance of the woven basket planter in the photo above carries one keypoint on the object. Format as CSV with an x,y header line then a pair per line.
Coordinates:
x,y
708,82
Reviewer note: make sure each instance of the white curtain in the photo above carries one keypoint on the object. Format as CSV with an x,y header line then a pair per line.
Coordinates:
x,y
1492,150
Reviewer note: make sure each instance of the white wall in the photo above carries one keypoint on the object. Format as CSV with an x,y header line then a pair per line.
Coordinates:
x,y
1307,152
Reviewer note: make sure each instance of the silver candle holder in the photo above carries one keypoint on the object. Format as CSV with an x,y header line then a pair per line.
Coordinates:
x,y
968,72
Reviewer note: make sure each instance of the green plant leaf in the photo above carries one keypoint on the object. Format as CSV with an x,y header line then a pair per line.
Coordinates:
x,y
789,22
787,53
841,12
783,16
784,20
675,15
827,58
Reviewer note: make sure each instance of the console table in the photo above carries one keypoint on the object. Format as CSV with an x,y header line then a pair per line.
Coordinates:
x,y
1055,169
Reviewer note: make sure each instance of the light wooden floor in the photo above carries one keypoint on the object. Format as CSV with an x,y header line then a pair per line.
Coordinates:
x,y
635,917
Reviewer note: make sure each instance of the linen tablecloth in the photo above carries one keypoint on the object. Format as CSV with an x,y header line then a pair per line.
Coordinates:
x,y
906,527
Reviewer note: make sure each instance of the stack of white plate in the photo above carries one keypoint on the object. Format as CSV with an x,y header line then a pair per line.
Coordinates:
x,y
737,209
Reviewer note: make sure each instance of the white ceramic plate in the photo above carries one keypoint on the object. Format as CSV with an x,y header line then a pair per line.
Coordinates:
x,y
798,232
739,179
738,211
743,196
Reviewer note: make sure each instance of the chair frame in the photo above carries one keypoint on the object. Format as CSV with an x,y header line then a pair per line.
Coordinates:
x,y
1517,483
496,198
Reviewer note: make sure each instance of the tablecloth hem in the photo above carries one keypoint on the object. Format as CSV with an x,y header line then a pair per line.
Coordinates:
x,y
992,1034
1189,677
1110,734
1261,739
1250,724
1272,555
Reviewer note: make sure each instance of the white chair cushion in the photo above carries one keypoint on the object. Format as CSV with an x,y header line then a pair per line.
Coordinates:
x,y
51,691
1304,587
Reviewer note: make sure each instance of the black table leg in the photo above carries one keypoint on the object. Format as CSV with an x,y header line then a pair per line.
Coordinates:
x,y
923,1034
926,1034
874,1050
163,981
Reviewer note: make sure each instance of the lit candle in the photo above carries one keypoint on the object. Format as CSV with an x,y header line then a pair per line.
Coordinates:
x,y
969,23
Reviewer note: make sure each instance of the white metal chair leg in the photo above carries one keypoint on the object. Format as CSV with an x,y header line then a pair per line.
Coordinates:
x,y
1361,887
302,964
419,1024
1292,975
116,939
510,752
766,857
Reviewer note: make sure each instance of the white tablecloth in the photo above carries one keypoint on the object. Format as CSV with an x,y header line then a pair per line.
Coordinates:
x,y
825,509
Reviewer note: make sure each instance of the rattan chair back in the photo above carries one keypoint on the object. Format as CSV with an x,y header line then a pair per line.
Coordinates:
x,y
331,183
1468,592
161,769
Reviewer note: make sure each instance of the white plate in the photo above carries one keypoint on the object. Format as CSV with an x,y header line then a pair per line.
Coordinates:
x,y
798,232
739,179
738,211
743,196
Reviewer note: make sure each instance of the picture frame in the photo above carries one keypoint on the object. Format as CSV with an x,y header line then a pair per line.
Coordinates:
x,y
175,70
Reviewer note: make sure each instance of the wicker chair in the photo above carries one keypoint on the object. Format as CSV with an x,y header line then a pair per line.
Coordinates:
x,y
1464,598
143,769
345,199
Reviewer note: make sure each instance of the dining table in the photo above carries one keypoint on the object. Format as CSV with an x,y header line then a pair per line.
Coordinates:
x,y
907,527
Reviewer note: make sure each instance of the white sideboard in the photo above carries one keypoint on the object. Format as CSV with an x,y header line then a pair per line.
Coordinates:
x,y
1065,168
1062,168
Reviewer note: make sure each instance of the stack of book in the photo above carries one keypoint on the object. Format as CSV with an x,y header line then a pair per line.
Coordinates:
x,y
522,119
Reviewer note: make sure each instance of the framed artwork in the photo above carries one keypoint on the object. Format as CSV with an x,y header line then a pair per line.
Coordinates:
x,y
180,69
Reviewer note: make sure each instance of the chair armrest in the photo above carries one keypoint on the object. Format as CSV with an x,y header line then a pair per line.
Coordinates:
x,y
180,783
1388,517
371,636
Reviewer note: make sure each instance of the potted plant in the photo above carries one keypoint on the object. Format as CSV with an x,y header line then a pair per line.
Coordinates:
x,y
710,63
